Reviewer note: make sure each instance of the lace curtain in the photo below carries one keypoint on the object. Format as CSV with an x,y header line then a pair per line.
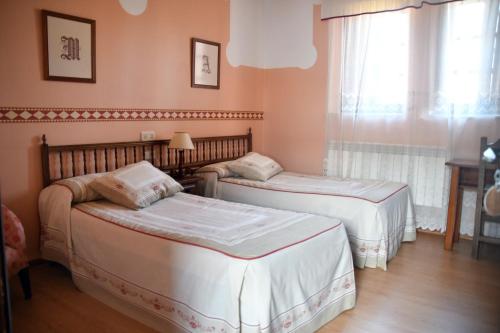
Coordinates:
x,y
409,90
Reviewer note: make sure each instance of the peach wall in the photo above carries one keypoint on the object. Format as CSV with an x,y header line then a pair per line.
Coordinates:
x,y
142,62
295,107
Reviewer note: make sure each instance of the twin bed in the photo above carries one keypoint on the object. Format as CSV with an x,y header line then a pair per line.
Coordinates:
x,y
196,264
378,215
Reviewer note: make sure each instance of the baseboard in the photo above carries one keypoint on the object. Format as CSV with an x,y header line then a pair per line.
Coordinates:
x,y
437,233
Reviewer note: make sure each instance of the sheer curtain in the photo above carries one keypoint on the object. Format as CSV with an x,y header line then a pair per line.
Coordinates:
x,y
342,8
409,90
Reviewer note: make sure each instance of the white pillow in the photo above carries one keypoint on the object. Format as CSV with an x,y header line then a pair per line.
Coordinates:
x,y
136,185
255,166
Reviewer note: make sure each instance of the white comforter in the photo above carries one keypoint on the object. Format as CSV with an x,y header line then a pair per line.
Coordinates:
x,y
378,215
268,271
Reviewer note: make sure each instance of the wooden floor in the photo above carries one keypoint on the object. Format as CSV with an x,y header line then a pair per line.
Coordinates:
x,y
424,290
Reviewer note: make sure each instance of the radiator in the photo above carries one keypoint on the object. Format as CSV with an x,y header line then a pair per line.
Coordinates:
x,y
422,168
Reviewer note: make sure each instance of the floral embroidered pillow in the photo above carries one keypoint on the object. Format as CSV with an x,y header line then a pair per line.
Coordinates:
x,y
255,166
80,188
220,168
136,185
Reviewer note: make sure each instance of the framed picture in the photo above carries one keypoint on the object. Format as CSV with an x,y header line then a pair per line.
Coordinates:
x,y
205,64
69,47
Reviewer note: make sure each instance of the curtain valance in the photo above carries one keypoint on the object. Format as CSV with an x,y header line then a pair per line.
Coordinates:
x,y
344,8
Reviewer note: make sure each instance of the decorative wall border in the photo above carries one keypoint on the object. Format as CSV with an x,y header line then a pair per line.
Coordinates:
x,y
36,114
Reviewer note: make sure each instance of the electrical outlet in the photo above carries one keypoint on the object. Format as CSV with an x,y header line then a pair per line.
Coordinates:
x,y
148,135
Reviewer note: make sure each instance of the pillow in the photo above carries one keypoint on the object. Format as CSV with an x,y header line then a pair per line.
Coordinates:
x,y
220,168
80,188
136,185
255,166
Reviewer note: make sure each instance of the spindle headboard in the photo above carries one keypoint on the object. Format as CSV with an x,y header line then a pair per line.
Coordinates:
x,y
66,161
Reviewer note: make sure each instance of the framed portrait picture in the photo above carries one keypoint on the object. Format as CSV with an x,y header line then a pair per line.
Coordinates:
x,y
205,64
69,47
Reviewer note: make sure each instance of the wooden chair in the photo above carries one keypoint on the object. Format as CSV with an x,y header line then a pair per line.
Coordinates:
x,y
482,185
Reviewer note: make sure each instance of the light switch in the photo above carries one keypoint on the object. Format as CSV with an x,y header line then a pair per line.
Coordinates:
x,y
148,135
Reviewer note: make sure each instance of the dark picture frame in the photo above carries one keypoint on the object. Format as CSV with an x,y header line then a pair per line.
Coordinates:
x,y
66,58
202,71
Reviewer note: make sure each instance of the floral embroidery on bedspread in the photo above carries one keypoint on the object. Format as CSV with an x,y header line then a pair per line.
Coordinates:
x,y
161,305
197,322
48,234
300,314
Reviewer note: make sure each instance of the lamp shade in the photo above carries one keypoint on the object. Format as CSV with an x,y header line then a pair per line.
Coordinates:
x,y
181,140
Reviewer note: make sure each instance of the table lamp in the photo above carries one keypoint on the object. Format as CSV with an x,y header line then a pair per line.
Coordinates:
x,y
181,141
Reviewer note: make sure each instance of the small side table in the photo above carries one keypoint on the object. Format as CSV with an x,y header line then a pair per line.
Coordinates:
x,y
189,183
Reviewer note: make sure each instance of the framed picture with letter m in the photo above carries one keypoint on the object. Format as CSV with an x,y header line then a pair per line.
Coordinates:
x,y
69,47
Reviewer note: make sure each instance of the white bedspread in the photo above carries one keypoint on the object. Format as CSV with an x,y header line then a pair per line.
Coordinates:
x,y
378,215
271,271
370,190
192,216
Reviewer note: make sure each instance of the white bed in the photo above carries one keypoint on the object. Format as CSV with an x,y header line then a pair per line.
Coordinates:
x,y
196,264
378,215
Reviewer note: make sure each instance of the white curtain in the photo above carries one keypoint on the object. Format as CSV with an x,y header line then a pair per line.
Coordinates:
x,y
343,8
409,90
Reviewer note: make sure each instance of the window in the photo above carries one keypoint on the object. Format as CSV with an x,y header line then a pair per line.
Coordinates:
x,y
375,74
459,76
467,75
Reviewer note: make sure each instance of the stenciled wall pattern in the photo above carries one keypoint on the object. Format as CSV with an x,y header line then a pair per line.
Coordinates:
x,y
21,114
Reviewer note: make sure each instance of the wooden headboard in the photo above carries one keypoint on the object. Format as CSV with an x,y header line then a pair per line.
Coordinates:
x,y
66,161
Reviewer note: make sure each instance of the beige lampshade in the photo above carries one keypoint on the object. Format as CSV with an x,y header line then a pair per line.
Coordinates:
x,y
181,140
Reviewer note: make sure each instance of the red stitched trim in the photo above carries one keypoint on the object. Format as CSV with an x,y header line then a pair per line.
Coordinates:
x,y
171,321
208,247
332,195
156,293
307,299
391,10
216,318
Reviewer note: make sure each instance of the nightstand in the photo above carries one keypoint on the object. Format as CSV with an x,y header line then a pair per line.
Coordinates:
x,y
189,183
